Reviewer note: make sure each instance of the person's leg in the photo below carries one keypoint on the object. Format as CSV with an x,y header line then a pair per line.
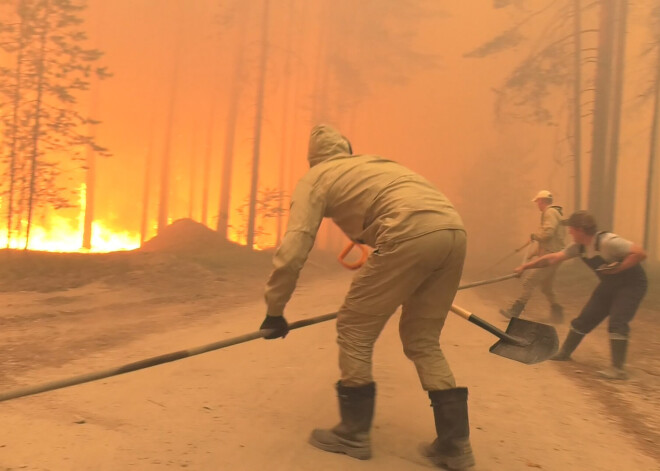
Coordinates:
x,y
547,288
625,302
390,275
530,280
592,314
422,318
423,314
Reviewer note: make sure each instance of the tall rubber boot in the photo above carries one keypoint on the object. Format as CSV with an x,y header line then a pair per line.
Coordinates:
x,y
514,311
619,347
452,448
573,339
351,435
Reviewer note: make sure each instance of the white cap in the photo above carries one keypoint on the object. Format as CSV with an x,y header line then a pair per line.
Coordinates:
x,y
543,194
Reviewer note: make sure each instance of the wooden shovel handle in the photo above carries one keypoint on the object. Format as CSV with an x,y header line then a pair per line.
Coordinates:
x,y
346,251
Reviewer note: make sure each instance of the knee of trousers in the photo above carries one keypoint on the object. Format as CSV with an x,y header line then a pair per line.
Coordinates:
x,y
618,329
583,326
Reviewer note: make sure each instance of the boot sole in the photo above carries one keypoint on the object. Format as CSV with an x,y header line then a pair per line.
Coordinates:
x,y
343,448
454,463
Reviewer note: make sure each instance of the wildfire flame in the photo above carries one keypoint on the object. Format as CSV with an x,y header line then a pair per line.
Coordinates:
x,y
58,233
64,234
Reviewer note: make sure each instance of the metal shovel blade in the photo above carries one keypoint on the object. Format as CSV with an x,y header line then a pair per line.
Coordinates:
x,y
530,342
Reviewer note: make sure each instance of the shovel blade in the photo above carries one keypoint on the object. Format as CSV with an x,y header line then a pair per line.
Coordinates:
x,y
535,342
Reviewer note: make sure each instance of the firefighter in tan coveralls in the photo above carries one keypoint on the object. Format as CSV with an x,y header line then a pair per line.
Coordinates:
x,y
549,238
420,244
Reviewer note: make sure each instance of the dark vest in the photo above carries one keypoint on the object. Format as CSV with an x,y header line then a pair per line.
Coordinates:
x,y
634,274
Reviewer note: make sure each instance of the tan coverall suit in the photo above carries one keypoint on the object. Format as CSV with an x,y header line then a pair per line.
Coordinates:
x,y
550,238
419,243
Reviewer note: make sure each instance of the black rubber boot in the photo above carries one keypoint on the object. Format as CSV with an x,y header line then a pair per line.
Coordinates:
x,y
514,311
619,349
452,447
351,435
556,313
573,339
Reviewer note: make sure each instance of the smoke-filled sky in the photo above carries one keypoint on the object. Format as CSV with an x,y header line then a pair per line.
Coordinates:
x,y
392,75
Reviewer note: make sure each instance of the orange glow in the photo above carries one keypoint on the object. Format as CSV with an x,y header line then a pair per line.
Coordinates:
x,y
64,234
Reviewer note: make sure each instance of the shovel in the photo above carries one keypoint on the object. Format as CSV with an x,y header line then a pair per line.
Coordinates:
x,y
525,341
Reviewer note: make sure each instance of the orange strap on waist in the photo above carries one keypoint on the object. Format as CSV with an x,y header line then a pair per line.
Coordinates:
x,y
346,251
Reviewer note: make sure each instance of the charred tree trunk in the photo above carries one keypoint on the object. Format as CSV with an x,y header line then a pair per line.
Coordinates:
x,y
208,152
602,114
261,84
146,189
193,174
617,99
232,120
90,178
34,169
285,121
163,203
14,134
651,229
577,105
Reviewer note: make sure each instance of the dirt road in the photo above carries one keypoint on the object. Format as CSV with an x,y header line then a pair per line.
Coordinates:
x,y
252,406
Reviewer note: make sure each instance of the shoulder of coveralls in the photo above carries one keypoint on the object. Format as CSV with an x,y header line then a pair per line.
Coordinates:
x,y
557,209
614,246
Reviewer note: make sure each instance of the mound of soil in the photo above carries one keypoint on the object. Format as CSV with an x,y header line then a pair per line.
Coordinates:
x,y
186,235
186,257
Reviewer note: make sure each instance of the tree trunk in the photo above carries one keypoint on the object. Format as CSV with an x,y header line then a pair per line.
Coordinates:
x,y
163,203
208,153
90,177
193,171
577,106
602,115
13,157
254,182
615,126
285,122
232,120
146,189
651,213
36,129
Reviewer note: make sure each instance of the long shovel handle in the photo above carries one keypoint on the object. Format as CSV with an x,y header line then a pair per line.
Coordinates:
x,y
467,315
153,361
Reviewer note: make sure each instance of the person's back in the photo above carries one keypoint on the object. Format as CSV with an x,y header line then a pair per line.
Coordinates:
x,y
373,200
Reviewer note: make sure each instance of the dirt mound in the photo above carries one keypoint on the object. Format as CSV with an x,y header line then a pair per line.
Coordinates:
x,y
185,235
186,257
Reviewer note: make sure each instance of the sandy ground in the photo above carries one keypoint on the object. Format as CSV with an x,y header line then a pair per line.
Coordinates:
x,y
252,406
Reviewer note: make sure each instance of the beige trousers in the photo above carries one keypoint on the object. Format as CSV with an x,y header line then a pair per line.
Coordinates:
x,y
422,276
541,277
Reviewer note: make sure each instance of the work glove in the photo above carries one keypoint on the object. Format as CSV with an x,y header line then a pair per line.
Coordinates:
x,y
277,324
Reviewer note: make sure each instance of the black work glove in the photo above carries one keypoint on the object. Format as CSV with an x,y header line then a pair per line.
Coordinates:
x,y
277,324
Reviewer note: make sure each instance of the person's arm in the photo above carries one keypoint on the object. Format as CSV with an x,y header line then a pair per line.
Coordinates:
x,y
635,255
544,261
305,216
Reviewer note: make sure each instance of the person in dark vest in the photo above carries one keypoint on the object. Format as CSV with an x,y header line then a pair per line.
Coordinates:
x,y
616,262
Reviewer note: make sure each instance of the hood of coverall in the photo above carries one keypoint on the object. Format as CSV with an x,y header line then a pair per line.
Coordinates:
x,y
326,142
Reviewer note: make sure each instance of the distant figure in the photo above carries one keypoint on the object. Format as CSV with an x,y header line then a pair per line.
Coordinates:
x,y
616,261
420,244
550,239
